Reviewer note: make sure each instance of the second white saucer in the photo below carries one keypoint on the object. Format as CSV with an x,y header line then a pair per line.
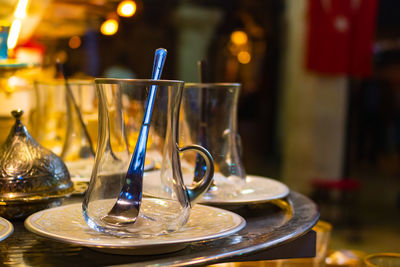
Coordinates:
x,y
256,189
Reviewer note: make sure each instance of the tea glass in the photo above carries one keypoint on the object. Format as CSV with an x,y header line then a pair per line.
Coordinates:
x,y
58,126
165,207
209,118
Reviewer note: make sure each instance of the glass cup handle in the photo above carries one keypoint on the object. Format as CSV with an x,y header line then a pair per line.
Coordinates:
x,y
200,187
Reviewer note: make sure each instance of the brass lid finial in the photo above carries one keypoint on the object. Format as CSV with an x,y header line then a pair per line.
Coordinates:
x,y
17,114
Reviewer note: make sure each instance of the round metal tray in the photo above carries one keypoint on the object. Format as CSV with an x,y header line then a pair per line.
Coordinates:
x,y
268,226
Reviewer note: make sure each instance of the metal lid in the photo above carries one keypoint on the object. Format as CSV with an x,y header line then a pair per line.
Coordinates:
x,y
28,171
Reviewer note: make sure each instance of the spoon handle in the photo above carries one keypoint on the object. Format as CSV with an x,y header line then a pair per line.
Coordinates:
x,y
159,60
127,207
138,157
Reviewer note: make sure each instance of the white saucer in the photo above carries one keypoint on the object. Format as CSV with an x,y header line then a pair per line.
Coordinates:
x,y
256,189
66,224
6,228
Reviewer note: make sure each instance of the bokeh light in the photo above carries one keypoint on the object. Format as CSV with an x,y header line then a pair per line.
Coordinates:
x,y
126,8
109,27
61,56
75,42
244,57
239,37
14,33
19,14
20,11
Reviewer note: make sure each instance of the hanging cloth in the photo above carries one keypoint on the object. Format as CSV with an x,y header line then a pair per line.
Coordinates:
x,y
340,36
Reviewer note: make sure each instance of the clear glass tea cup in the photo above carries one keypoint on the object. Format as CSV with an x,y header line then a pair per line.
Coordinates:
x,y
209,119
165,204
67,124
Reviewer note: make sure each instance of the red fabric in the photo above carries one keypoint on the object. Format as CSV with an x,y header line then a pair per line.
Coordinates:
x,y
340,36
341,185
34,45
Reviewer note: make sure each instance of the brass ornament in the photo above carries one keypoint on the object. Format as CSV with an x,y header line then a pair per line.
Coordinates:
x,y
29,174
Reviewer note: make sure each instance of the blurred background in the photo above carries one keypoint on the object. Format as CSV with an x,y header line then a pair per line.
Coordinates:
x,y
319,107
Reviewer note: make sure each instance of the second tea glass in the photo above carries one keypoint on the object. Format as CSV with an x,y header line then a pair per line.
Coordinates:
x,y
66,125
209,118
165,206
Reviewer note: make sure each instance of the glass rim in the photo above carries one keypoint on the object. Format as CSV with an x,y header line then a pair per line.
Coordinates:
x,y
379,254
209,85
138,81
61,82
